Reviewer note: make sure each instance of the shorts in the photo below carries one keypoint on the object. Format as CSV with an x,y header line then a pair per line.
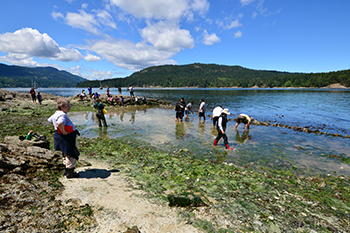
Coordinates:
x,y
187,112
242,120
178,115
201,114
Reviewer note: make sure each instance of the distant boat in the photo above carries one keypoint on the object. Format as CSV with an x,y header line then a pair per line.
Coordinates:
x,y
34,84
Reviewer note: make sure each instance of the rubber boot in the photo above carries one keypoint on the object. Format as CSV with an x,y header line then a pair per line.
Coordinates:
x,y
215,142
71,173
228,147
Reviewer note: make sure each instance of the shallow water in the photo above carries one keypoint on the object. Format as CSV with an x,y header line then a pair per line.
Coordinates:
x,y
278,148
327,110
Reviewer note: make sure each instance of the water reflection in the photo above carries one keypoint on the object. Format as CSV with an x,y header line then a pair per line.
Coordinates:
x,y
180,131
244,137
271,146
102,133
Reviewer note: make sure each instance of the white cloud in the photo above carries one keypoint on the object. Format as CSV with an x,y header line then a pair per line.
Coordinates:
x,y
246,2
91,57
57,15
86,21
129,55
233,24
83,21
167,36
30,42
99,74
105,18
238,34
210,39
162,10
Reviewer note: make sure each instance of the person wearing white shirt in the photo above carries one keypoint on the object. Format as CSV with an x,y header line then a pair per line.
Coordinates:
x,y
221,127
201,110
216,114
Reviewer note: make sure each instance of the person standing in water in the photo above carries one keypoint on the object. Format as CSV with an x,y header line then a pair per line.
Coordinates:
x,y
189,108
201,110
216,114
99,113
221,127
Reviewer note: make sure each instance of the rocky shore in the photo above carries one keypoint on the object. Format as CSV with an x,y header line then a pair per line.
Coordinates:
x,y
29,174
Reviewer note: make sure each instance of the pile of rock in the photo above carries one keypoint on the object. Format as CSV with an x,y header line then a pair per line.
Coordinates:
x,y
128,100
6,95
29,174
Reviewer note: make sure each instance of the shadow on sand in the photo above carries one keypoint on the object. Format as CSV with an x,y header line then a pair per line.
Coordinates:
x,y
96,173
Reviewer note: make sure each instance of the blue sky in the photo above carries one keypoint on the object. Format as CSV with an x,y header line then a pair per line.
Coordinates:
x,y
101,39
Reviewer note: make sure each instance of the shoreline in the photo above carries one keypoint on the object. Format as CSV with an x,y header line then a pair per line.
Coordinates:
x,y
334,86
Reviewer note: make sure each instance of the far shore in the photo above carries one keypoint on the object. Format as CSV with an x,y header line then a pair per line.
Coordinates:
x,y
332,86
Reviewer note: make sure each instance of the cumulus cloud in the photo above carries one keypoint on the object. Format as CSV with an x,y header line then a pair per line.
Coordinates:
x,y
238,34
91,57
210,39
90,22
129,55
30,42
167,36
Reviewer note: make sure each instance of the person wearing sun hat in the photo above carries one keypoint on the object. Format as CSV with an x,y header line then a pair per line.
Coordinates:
x,y
221,127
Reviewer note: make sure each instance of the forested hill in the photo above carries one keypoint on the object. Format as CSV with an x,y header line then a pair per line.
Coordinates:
x,y
17,76
212,75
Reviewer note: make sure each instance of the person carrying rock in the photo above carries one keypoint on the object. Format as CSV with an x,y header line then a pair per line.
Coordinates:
x,y
245,119
65,137
221,127
99,113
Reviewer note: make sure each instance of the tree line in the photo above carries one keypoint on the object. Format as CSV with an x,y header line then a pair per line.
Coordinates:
x,y
212,75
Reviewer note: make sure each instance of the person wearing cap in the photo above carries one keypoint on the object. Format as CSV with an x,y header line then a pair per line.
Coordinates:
x,y
216,114
245,119
221,127
201,110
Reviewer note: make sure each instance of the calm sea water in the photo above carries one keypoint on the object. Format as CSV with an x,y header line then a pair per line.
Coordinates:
x,y
324,109
279,148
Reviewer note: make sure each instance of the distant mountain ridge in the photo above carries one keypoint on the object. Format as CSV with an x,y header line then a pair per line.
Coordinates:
x,y
18,76
213,75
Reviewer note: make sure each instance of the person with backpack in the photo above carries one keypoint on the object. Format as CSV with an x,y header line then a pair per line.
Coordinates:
x,y
99,113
